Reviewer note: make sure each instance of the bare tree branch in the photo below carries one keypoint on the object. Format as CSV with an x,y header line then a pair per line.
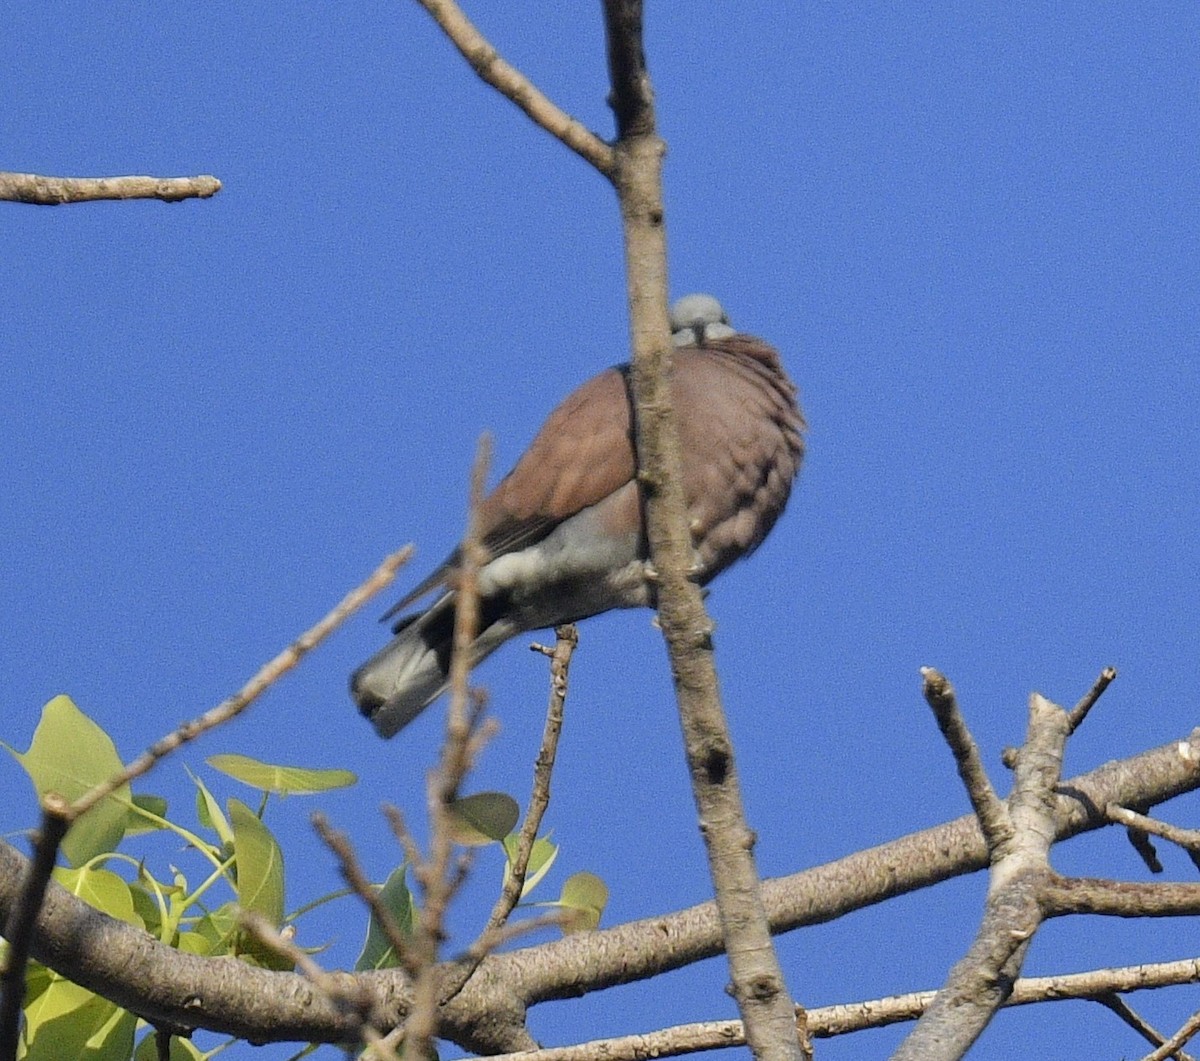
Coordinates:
x,y
21,922
539,800
1080,711
1116,1004
757,980
55,191
989,809
1171,1048
512,84
982,980
169,987
267,675
825,1022
1140,825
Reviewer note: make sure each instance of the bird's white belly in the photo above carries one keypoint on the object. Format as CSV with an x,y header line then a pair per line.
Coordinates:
x,y
579,569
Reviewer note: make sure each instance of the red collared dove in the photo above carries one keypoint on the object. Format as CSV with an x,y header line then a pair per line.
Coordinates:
x,y
563,530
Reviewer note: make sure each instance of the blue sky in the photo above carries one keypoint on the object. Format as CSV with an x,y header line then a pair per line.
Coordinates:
x,y
972,231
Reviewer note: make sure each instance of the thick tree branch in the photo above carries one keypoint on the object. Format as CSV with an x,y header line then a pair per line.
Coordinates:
x,y
180,990
757,979
55,191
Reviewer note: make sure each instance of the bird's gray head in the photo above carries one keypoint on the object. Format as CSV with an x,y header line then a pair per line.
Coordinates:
x,y
695,318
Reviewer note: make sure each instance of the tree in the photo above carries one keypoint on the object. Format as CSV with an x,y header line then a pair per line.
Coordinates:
x,y
1173,786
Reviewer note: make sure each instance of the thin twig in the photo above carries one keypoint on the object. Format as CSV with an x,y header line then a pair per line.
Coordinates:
x,y
489,939
55,191
344,991
1188,839
515,86
1080,711
1077,714
395,817
255,687
1097,985
352,874
492,935
1144,1028
436,875
1171,1047
992,815
19,930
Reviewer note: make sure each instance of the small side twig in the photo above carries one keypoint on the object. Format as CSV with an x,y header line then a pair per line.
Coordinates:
x,y
1080,711
352,874
1077,714
1173,1046
992,815
1139,1024
267,675
343,990
1140,824
437,876
515,86
493,933
40,190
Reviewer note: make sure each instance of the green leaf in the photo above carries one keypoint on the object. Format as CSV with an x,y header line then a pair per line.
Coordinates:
x,y
181,1049
70,755
147,908
137,823
68,1021
378,952
541,858
259,880
208,810
213,934
268,777
259,864
37,979
583,898
484,818
102,889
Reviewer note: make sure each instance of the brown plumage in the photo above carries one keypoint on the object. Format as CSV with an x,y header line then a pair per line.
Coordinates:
x,y
563,530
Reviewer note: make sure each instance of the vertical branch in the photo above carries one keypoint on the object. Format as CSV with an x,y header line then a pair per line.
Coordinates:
x,y
19,929
436,874
758,985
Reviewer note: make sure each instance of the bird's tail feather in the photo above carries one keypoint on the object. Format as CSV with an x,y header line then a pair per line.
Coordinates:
x,y
413,669
407,674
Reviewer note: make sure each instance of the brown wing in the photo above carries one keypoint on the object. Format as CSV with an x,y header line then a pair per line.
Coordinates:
x,y
583,453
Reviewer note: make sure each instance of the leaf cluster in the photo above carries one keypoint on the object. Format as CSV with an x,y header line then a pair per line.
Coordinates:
x,y
240,870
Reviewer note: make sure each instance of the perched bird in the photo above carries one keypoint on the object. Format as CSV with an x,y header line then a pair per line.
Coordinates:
x,y
563,530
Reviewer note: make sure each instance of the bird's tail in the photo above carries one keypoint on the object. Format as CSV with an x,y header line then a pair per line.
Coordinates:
x,y
407,674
